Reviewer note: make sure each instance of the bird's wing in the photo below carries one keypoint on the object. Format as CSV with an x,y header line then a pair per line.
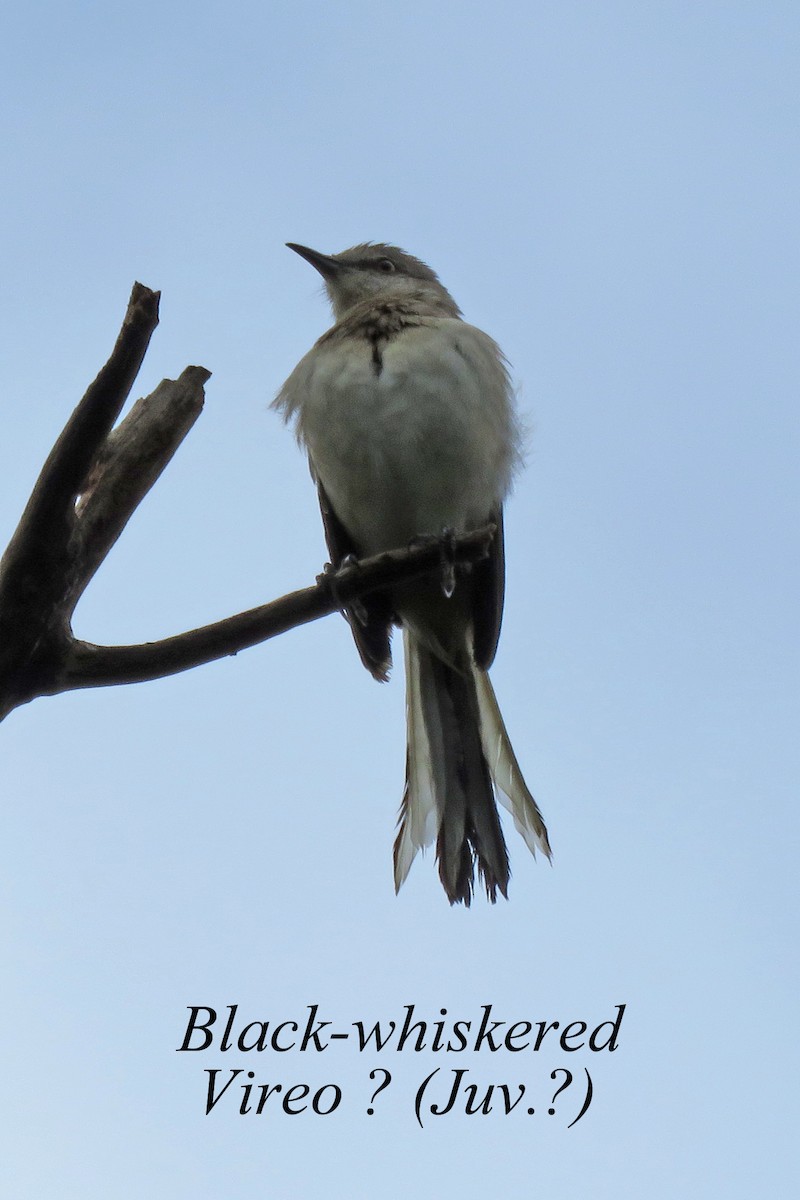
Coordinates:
x,y
370,621
488,592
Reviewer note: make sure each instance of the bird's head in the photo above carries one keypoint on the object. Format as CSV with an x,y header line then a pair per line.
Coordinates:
x,y
374,270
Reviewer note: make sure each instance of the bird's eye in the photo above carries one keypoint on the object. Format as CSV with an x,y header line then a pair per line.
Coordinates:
x,y
386,265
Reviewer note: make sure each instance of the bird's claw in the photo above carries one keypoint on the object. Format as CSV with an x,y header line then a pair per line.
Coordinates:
x,y
448,553
332,576
446,541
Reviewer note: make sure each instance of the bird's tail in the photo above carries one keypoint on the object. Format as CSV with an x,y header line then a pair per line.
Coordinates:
x,y
459,757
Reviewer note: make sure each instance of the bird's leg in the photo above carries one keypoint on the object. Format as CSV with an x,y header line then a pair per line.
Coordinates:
x,y
447,546
448,539
332,576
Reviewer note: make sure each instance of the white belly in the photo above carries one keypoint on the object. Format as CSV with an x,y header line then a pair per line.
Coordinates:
x,y
428,443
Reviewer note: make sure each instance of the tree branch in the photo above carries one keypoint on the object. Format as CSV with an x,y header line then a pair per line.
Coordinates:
x,y
90,485
36,569
87,665
48,519
130,461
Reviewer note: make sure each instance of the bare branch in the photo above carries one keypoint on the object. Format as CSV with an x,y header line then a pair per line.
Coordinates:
x,y
91,483
48,519
35,570
130,461
103,666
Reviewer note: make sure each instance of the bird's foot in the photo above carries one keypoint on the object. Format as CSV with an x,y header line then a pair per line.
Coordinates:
x,y
332,577
446,540
448,537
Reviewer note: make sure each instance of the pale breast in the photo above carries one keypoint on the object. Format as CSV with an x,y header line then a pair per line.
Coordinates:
x,y
410,441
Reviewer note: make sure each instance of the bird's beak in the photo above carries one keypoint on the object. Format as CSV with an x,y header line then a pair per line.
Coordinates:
x,y
327,266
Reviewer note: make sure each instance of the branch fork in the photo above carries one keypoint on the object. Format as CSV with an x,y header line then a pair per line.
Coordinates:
x,y
91,484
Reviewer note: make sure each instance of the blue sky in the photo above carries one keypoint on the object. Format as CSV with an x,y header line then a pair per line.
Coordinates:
x,y
610,190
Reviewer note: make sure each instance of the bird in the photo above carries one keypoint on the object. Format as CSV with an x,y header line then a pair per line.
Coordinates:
x,y
408,419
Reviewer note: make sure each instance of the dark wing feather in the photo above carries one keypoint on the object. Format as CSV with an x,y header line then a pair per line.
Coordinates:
x,y
372,637
488,593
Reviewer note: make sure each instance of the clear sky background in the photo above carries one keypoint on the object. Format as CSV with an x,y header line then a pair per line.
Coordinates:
x,y
611,190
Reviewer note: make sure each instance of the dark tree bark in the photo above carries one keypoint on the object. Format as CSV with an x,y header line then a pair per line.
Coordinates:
x,y
90,485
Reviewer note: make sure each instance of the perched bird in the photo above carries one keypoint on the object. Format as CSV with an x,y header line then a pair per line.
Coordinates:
x,y
408,419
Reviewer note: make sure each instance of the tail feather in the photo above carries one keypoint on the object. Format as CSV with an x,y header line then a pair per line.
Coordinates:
x,y
457,750
512,790
470,836
418,812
